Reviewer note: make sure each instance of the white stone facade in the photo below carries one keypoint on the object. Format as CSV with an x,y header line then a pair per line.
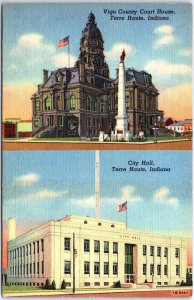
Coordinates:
x,y
100,255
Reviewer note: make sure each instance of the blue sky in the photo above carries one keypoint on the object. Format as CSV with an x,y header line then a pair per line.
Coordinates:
x,y
163,48
167,43
47,185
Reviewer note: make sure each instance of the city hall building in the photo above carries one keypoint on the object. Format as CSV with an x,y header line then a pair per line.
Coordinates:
x,y
94,252
74,101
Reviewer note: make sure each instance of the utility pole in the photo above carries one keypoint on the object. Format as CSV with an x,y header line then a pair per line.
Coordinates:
x,y
74,253
97,184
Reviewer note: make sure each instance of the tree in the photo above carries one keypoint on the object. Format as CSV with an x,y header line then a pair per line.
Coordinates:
x,y
47,284
117,284
63,285
53,286
189,278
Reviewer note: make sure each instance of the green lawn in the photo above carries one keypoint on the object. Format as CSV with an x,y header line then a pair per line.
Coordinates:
x,y
167,138
18,288
30,289
56,139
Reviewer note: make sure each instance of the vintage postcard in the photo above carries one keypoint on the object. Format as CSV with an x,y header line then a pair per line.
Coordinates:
x,y
85,88
97,73
97,223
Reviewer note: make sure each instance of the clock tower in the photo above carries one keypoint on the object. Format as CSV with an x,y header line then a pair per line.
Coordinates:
x,y
91,48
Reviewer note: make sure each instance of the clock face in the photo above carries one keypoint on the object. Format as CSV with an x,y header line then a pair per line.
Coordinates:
x,y
72,127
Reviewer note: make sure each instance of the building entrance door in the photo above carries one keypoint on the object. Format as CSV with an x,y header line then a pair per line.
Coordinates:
x,y
129,269
47,121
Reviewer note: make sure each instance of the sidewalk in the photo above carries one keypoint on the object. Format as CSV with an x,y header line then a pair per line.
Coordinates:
x,y
88,292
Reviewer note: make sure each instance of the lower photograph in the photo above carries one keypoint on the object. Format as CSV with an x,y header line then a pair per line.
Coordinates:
x,y
97,223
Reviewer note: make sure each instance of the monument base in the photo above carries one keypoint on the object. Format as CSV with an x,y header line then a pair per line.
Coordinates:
x,y
101,136
123,135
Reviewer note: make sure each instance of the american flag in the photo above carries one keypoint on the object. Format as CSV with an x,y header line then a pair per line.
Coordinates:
x,y
64,42
122,207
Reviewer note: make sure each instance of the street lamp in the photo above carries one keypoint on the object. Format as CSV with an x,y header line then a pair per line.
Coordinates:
x,y
74,255
155,133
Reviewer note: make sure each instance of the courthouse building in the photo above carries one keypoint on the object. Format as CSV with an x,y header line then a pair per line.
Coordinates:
x,y
74,101
97,252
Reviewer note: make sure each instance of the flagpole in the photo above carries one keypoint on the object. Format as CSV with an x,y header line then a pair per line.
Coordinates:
x,y
126,219
69,54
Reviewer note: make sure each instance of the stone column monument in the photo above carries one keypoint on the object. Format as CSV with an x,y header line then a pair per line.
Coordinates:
x,y
121,129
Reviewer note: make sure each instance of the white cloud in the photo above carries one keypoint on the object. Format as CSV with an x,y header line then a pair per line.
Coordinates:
x,y
31,42
165,69
165,29
115,52
185,52
44,194
87,202
162,196
32,50
166,36
128,194
27,179
62,59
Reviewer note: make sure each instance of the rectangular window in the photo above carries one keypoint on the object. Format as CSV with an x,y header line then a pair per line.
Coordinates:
x,y
158,269
144,269
42,266
165,270
67,267
144,249
115,247
177,270
151,269
23,269
177,252
86,267
30,268
33,247
96,246
96,268
151,250
23,251
27,269
86,245
34,268
38,267
42,245
20,251
30,249
158,251
67,242
26,250
106,268
165,252
115,268
37,243
106,247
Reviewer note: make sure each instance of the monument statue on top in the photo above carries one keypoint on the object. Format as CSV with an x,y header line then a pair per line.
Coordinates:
x,y
122,57
122,124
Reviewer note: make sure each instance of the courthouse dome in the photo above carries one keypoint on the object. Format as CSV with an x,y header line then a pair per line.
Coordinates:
x,y
91,30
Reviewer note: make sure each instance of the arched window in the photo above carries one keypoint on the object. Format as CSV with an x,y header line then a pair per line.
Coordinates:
x,y
48,103
72,102
37,108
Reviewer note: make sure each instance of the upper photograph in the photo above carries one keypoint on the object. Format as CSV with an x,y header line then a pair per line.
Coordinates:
x,y
97,76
